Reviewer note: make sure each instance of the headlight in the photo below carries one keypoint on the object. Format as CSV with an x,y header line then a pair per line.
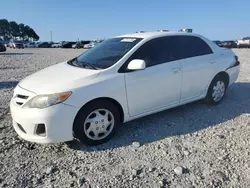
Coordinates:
x,y
44,101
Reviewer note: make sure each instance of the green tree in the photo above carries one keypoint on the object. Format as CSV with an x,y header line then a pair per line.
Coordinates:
x,y
33,35
21,31
10,30
4,28
14,29
27,33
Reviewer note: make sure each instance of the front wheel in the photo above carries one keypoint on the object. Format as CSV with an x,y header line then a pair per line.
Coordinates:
x,y
216,90
96,122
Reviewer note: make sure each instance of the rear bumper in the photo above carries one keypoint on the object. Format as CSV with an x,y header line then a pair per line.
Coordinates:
x,y
233,73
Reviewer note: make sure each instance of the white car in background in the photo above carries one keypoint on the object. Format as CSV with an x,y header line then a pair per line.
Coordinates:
x,y
56,45
121,79
90,45
243,43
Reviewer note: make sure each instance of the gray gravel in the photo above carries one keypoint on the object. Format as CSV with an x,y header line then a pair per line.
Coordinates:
x,y
195,145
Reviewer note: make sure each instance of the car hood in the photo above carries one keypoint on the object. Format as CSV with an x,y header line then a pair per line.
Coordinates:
x,y
58,78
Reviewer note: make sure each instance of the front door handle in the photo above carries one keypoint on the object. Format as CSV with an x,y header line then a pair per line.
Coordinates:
x,y
175,70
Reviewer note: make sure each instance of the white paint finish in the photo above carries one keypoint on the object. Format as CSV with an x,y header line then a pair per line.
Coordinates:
x,y
137,64
105,86
58,78
197,75
154,87
139,93
233,74
243,43
58,120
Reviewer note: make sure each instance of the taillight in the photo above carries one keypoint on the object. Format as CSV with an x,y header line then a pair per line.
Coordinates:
x,y
234,64
236,60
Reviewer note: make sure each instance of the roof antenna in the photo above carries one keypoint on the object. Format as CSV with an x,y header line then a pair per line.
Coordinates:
x,y
163,30
186,30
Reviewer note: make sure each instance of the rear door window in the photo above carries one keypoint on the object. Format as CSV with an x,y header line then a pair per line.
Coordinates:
x,y
191,46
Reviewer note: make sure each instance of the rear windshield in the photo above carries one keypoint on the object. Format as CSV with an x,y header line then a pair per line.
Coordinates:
x,y
108,52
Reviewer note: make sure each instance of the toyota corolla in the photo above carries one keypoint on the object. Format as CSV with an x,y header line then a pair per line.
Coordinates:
x,y
121,79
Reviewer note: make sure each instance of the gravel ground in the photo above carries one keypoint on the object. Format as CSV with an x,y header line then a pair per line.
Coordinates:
x,y
191,146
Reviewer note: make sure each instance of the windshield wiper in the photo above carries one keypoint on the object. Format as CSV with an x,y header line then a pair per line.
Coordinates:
x,y
75,62
87,64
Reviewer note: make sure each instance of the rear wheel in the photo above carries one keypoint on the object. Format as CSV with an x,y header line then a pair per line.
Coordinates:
x,y
96,122
216,90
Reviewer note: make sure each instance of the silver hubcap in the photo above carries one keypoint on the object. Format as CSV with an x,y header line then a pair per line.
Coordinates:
x,y
99,124
218,91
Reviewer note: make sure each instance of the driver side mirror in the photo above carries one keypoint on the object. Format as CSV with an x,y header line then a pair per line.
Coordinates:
x,y
136,64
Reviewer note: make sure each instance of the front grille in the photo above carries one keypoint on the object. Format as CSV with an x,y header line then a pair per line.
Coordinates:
x,y
20,99
22,96
21,128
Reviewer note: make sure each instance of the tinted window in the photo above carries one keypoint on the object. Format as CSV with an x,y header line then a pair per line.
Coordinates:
x,y
156,51
190,46
170,48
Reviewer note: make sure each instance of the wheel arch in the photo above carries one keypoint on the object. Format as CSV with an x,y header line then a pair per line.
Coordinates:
x,y
113,101
224,75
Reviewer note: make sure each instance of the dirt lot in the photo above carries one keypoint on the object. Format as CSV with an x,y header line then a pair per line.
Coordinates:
x,y
195,145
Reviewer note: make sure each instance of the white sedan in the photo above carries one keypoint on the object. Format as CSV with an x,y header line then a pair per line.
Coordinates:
x,y
56,45
121,79
88,46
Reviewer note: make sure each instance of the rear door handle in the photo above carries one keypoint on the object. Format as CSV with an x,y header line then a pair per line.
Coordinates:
x,y
212,62
175,70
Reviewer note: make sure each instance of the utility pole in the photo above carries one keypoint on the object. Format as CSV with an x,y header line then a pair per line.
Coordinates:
x,y
51,36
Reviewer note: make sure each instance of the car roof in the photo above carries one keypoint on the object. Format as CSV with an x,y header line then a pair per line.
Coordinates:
x,y
156,34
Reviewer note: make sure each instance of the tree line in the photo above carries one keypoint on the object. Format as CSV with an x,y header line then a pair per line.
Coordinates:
x,y
12,30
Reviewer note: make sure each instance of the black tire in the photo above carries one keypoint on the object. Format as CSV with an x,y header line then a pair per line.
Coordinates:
x,y
78,127
209,98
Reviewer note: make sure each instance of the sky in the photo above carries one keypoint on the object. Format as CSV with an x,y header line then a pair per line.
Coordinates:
x,y
98,19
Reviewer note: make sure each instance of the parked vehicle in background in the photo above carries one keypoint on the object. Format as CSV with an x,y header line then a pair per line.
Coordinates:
x,y
121,79
56,45
16,44
43,45
244,43
90,45
228,44
217,42
68,44
85,42
30,45
62,43
2,47
77,45
5,43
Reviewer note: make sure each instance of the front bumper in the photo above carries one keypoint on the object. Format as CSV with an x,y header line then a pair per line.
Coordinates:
x,y
58,121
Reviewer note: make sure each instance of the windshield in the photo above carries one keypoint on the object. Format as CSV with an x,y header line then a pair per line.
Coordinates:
x,y
107,53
